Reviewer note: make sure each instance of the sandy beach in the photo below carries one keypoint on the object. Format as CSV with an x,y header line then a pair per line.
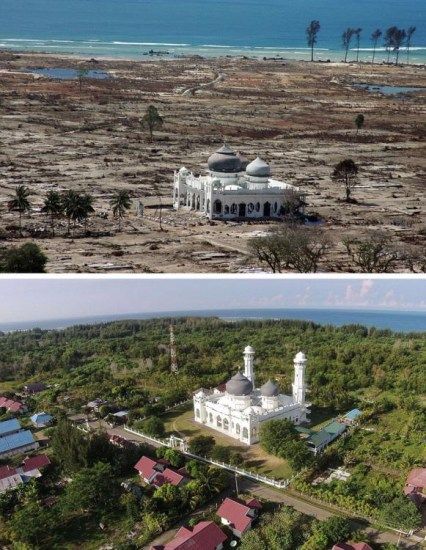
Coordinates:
x,y
297,115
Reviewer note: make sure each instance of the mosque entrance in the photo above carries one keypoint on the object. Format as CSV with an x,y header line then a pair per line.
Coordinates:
x,y
267,209
242,210
217,207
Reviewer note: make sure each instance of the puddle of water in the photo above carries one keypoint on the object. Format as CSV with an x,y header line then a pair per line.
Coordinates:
x,y
67,74
388,90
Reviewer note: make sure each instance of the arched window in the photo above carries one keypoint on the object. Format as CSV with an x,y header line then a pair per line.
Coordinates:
x,y
226,210
219,422
245,433
258,207
267,209
225,424
197,413
211,418
217,206
250,207
237,429
234,208
275,206
198,203
242,210
193,201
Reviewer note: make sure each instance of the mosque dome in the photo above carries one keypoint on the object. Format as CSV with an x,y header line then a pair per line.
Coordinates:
x,y
270,389
225,160
239,385
258,169
248,349
300,357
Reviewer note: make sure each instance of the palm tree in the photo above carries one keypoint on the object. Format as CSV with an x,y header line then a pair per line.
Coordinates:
x,y
389,40
152,120
357,33
346,40
410,32
311,35
84,209
119,203
70,201
375,38
20,203
53,207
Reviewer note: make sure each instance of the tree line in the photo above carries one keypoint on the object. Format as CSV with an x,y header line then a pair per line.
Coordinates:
x,y
394,39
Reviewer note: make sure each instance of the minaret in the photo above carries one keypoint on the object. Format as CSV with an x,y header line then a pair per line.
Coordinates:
x,y
299,387
173,355
248,364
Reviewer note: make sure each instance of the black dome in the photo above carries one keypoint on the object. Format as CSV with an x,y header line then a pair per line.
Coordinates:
x,y
239,385
270,389
225,160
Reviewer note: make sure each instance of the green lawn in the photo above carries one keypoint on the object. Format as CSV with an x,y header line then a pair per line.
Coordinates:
x,y
256,459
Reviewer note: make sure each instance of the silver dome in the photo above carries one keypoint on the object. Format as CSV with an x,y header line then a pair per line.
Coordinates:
x,y
270,389
258,169
225,160
239,385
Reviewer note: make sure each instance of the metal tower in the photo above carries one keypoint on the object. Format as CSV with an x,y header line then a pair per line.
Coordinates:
x,y
173,355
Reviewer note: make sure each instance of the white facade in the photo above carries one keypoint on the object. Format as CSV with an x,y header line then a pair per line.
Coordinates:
x,y
232,189
239,411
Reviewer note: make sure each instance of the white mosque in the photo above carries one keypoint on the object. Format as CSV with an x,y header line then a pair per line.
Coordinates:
x,y
240,410
232,188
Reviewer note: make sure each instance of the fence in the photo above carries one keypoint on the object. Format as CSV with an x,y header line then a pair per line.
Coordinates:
x,y
175,442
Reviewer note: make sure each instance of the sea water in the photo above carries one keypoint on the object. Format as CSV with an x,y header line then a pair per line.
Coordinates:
x,y
254,28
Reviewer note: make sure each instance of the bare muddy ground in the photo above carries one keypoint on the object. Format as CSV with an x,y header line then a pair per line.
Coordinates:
x,y
296,115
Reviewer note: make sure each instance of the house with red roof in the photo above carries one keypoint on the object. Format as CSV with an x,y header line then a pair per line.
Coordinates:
x,y
415,486
158,472
352,546
237,515
11,405
206,535
10,478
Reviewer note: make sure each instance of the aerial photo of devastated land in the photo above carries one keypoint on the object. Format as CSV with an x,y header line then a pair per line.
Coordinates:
x,y
340,178
209,430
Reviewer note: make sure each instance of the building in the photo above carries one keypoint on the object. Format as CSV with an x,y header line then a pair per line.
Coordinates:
x,y
35,387
238,516
233,188
317,441
15,440
41,420
10,478
206,535
240,409
415,486
352,416
12,406
158,473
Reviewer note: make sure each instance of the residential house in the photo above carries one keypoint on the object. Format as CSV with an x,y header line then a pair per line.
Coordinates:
x,y
237,515
158,472
41,420
415,486
10,478
317,441
206,535
352,416
35,387
15,440
12,406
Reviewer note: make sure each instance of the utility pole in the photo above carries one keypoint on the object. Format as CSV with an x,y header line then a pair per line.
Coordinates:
x,y
237,492
173,355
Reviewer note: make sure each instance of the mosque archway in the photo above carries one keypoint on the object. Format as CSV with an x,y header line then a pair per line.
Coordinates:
x,y
234,208
267,209
219,422
198,202
226,210
237,429
217,207
242,210
193,201
197,413
208,206
211,418
245,433
225,424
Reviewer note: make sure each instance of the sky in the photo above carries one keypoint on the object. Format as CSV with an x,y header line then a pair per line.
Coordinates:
x,y
47,298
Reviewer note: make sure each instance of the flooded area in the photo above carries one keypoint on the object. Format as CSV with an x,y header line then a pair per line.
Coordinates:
x,y
63,73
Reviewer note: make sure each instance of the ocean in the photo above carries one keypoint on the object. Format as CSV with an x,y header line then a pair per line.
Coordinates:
x,y
398,321
254,28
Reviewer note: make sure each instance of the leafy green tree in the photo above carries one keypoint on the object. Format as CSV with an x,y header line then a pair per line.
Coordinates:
x,y
152,426
345,172
276,434
201,445
120,203
168,499
152,120
375,35
93,490
20,203
359,122
32,524
372,254
131,506
312,31
401,513
27,258
69,446
53,208
175,458
328,532
85,209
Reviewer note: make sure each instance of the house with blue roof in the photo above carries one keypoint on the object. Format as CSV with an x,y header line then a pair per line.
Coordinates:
x,y
352,416
14,440
41,420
